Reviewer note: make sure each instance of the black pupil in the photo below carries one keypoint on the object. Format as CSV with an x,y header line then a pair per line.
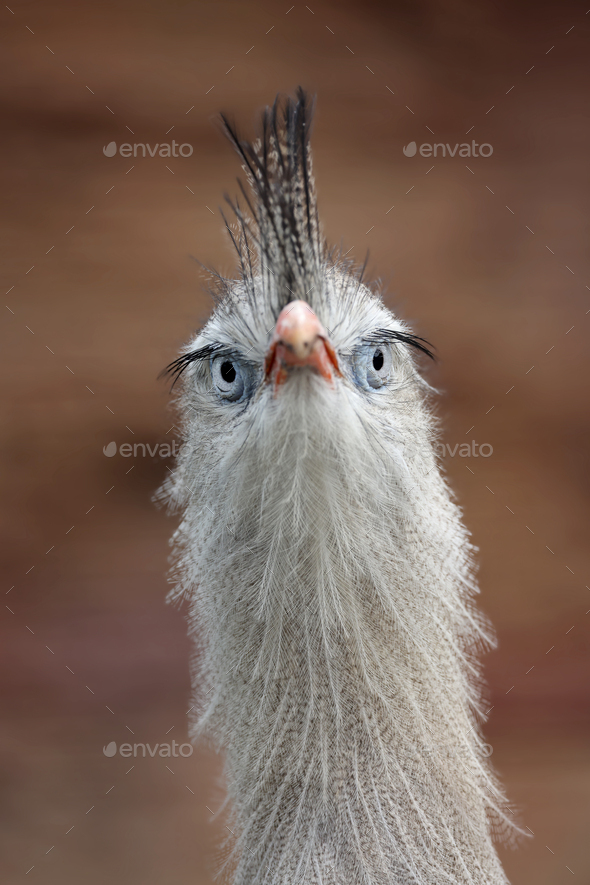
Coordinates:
x,y
378,360
228,373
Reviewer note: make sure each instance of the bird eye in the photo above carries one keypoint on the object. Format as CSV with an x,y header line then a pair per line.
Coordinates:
x,y
227,378
378,360
228,372
372,366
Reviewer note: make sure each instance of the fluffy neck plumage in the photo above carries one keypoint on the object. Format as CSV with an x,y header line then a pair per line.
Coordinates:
x,y
331,590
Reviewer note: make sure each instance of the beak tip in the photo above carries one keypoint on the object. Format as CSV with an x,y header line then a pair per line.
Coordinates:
x,y
300,341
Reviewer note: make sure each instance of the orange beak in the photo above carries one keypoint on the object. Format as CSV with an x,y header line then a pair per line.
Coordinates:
x,y
299,341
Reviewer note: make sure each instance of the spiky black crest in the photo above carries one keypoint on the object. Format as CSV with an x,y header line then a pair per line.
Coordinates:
x,y
281,220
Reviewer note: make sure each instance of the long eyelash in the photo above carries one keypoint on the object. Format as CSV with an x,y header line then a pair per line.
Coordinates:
x,y
176,368
382,335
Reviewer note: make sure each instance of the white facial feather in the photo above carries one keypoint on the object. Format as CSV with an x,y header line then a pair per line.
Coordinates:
x,y
330,589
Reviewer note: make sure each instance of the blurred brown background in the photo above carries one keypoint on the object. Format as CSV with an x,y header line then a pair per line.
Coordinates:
x,y
102,290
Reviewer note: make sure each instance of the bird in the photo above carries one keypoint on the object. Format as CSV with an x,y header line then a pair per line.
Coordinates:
x,y
328,578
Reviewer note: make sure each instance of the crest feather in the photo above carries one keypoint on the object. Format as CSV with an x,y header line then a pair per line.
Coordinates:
x,y
282,219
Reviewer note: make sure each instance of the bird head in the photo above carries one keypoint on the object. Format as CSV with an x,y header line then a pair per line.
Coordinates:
x,y
298,322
